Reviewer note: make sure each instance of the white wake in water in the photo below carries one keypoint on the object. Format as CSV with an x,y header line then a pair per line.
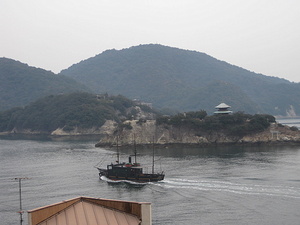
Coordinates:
x,y
104,178
225,186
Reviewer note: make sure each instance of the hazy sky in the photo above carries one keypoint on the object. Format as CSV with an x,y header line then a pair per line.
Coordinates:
x,y
259,35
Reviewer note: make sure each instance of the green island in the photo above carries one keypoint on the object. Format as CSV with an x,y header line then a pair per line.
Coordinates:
x,y
113,117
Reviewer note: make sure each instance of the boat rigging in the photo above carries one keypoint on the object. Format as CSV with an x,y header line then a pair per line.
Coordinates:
x,y
130,171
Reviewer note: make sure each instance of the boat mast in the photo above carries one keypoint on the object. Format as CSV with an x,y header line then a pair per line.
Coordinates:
x,y
153,155
134,148
118,153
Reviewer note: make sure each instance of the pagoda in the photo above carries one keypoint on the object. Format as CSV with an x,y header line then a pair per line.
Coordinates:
x,y
222,109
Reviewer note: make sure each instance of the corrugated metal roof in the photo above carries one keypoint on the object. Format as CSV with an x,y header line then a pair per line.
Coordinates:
x,y
87,213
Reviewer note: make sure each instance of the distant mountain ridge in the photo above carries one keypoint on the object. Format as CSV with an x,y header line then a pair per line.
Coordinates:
x,y
184,80
21,84
169,78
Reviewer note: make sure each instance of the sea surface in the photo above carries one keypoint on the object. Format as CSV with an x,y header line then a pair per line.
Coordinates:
x,y
224,185
292,122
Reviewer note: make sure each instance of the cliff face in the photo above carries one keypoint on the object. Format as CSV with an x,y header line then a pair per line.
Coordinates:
x,y
145,133
106,129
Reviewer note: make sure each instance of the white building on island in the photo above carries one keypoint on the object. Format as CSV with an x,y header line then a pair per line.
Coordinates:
x,y
222,109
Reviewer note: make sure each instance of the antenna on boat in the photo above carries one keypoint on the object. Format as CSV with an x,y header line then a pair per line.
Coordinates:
x,y
118,153
134,143
153,155
20,196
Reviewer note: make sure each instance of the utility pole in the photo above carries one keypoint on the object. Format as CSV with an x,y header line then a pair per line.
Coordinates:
x,y
20,197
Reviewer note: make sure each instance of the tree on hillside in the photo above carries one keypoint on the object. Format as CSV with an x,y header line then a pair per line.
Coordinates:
x,y
70,111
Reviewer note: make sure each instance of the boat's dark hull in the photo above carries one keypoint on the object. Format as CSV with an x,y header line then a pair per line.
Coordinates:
x,y
141,178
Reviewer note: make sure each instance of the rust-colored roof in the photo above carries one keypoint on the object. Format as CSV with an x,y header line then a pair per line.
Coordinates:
x,y
84,211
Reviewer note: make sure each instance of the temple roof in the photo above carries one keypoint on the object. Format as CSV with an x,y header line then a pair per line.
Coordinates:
x,y
222,105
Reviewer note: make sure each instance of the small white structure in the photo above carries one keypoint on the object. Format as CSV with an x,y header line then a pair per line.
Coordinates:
x,y
276,133
223,109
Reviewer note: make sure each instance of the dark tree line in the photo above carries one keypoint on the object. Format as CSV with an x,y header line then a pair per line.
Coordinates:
x,y
67,111
237,124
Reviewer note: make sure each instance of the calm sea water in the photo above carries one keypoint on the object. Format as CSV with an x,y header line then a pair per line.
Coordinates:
x,y
228,185
292,122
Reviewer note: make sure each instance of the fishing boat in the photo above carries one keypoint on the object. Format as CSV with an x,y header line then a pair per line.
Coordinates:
x,y
129,171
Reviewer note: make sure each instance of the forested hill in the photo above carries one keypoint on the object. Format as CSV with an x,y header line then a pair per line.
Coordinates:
x,y
185,80
69,112
21,84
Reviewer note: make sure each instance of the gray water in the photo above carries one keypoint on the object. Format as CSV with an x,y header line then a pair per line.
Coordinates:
x,y
225,185
292,122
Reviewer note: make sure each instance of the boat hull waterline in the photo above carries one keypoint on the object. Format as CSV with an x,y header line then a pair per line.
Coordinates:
x,y
130,171
121,172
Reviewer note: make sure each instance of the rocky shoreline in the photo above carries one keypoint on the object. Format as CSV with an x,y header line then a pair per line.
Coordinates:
x,y
184,145
144,134
147,133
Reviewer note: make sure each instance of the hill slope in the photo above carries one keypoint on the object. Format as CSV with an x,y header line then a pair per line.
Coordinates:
x,y
69,112
184,80
21,84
